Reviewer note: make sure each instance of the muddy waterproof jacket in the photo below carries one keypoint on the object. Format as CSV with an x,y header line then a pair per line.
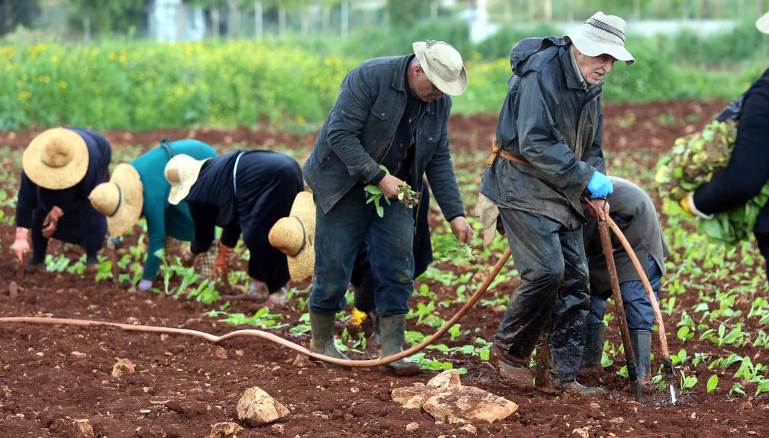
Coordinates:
x,y
359,131
551,120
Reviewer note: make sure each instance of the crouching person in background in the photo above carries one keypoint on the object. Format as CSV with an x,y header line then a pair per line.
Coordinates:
x,y
140,189
244,191
633,211
60,168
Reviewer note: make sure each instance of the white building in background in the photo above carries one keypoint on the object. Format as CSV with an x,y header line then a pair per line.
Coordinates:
x,y
172,20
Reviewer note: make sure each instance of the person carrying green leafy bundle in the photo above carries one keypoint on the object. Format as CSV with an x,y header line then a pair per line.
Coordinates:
x,y
747,172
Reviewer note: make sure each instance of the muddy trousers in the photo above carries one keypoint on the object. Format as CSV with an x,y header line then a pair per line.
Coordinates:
x,y
553,292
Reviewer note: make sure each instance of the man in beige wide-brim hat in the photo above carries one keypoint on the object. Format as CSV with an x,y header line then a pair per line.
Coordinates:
x,y
60,168
391,112
551,122
294,236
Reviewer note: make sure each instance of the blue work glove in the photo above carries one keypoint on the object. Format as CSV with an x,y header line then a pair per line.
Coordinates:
x,y
144,285
599,185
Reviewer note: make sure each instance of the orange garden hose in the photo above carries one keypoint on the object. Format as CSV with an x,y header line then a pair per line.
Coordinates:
x,y
277,339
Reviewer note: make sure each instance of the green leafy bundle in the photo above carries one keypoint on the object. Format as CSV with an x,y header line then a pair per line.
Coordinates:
x,y
406,195
692,162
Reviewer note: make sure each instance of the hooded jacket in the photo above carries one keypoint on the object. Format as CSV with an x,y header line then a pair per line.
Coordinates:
x,y
552,120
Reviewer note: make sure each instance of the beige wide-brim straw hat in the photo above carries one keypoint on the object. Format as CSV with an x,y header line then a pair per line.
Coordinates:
x,y
762,24
181,172
56,159
294,236
602,34
120,200
443,65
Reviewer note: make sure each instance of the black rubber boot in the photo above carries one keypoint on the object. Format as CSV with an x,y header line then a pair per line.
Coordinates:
x,y
642,343
322,341
392,331
594,338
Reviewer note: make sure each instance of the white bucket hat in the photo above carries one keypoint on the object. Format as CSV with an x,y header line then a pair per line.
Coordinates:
x,y
443,65
181,172
602,34
762,24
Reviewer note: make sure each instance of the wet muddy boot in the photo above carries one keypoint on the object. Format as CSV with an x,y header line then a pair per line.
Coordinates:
x,y
513,370
578,389
642,343
322,341
591,356
392,331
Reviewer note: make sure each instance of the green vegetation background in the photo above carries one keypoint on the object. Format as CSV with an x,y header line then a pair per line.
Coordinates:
x,y
293,81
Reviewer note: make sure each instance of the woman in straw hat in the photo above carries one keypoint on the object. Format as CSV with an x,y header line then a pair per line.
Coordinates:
x,y
241,190
140,189
748,169
60,168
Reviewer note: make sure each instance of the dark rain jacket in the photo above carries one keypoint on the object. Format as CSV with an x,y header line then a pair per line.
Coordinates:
x,y
359,131
551,120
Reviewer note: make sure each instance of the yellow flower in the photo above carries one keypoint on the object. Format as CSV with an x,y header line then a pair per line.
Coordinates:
x,y
23,95
63,85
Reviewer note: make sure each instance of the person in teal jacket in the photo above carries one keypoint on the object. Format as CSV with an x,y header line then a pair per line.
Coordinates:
x,y
139,188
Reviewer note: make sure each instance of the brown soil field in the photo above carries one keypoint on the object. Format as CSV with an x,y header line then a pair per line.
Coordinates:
x,y
52,375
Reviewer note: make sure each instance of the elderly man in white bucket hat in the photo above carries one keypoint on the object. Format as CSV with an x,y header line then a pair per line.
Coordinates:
x,y
60,168
748,169
391,114
546,157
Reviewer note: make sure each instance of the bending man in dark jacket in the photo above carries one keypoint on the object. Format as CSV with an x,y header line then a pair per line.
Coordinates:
x,y
748,169
548,156
240,190
61,167
391,111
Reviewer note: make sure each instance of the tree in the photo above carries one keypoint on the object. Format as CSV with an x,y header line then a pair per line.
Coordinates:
x,y
14,13
108,17
404,13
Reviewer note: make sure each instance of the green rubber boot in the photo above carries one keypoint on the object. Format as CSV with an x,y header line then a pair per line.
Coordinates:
x,y
392,332
322,341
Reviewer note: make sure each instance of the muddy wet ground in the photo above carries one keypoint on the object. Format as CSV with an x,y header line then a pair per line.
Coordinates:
x,y
51,375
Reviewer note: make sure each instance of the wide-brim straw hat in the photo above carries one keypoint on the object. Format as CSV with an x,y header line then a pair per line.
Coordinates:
x,y
602,35
56,159
120,200
181,172
762,24
294,236
443,66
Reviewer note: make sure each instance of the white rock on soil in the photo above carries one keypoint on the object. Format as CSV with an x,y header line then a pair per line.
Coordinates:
x,y
448,401
445,379
257,407
122,368
412,426
224,430
469,428
458,404
82,429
